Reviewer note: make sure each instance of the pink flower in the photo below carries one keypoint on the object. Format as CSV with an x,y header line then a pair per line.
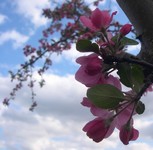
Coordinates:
x,y
128,133
114,81
98,19
125,29
90,72
99,128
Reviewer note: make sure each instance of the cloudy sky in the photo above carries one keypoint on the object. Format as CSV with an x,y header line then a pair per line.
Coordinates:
x,y
56,124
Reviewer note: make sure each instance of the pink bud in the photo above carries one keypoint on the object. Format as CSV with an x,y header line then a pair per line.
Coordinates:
x,y
125,29
128,133
98,129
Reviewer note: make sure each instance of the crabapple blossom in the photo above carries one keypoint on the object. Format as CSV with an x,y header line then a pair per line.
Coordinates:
x,y
90,72
98,19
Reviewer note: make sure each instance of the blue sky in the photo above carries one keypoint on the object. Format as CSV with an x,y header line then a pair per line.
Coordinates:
x,y
56,124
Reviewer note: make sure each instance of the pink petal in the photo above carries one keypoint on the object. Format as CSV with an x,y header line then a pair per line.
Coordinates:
x,y
85,79
127,134
86,102
89,125
99,112
105,18
111,128
90,71
135,134
114,81
96,18
111,18
109,35
124,116
96,129
87,22
84,60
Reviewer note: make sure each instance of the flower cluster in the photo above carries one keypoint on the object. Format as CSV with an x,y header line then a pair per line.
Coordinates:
x,y
95,73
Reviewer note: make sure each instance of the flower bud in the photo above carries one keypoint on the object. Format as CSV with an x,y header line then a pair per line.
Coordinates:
x,y
125,29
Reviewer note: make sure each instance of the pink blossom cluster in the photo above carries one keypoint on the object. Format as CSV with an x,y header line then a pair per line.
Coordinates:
x,y
28,50
91,73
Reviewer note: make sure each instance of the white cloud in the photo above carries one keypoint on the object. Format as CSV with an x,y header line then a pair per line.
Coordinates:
x,y
17,38
3,18
32,10
71,55
91,6
56,123
139,146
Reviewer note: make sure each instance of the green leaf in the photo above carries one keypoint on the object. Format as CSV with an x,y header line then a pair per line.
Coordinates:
x,y
124,72
94,48
83,45
105,96
86,46
140,108
131,75
126,41
137,77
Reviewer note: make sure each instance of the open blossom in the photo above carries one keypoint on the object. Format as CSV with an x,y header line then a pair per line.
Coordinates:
x,y
90,72
98,19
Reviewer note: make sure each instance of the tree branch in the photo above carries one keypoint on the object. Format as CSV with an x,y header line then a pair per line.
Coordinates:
x,y
140,14
130,59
